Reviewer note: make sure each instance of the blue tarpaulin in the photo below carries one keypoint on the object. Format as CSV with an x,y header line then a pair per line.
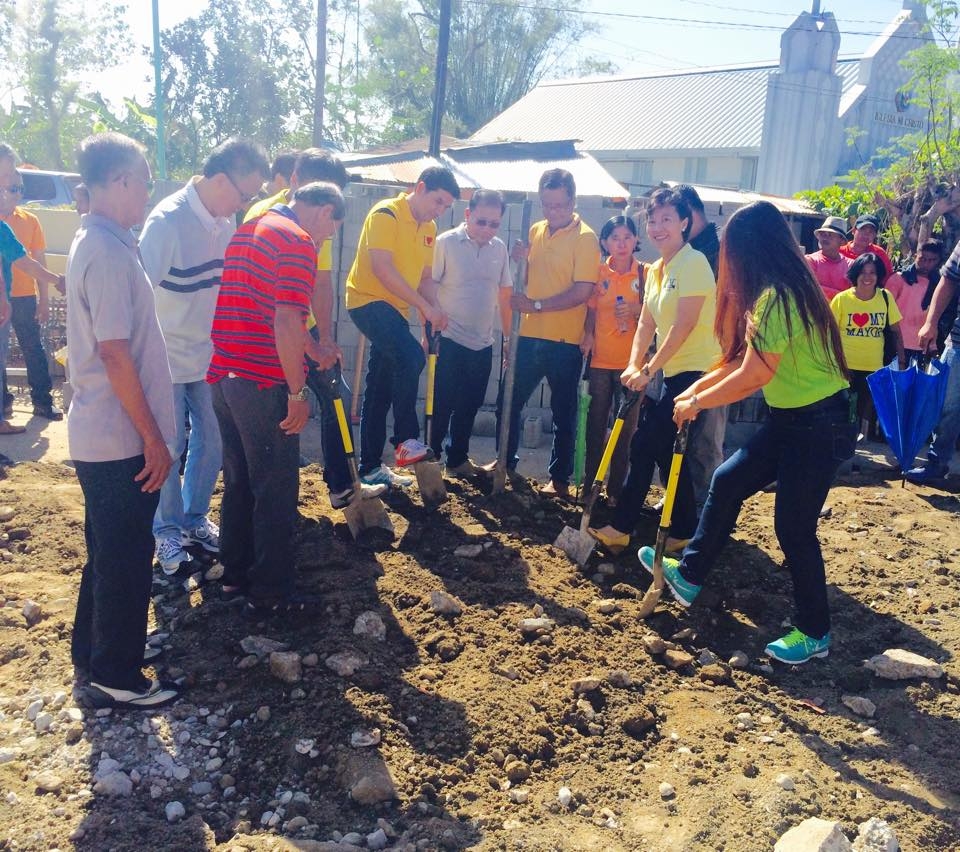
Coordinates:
x,y
908,404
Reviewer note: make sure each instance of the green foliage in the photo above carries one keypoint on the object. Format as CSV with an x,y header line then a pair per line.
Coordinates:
x,y
835,200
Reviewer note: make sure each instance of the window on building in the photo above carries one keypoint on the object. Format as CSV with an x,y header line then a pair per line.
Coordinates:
x,y
695,170
643,172
748,173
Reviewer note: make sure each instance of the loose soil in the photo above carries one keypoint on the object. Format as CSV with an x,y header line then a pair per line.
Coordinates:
x,y
469,708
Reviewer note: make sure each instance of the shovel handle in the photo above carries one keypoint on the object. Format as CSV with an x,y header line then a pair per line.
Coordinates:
x,y
679,448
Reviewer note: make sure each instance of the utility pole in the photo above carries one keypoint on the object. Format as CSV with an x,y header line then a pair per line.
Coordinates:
x,y
321,73
158,94
440,77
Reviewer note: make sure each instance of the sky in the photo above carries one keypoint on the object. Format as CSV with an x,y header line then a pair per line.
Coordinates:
x,y
639,37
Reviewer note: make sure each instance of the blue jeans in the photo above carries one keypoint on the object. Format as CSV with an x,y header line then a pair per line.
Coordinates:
x,y
948,429
110,625
801,449
705,454
185,507
560,364
23,320
461,384
393,378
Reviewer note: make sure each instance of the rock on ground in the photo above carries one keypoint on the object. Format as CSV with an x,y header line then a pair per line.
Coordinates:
x,y
814,835
875,835
898,664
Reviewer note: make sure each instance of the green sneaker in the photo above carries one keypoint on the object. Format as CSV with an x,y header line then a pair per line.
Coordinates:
x,y
796,647
682,590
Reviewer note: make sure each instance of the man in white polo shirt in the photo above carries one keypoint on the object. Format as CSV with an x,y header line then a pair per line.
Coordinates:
x,y
470,268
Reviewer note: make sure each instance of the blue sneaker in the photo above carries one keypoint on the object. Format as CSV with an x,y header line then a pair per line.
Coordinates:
x,y
926,474
684,592
796,648
384,476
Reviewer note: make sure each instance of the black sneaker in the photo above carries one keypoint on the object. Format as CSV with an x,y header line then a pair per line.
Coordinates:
x,y
156,694
50,412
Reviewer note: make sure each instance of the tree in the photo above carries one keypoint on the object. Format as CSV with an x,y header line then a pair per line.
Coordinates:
x,y
54,45
498,52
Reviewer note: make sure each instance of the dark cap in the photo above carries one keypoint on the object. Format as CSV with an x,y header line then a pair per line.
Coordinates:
x,y
868,222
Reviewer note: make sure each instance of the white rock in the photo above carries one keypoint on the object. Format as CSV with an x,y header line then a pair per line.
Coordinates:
x,y
519,795
114,784
43,722
345,663
33,709
707,657
7,513
443,604
352,838
261,645
469,551
666,790
181,773
875,835
785,781
175,811
105,767
377,839
536,625
859,705
8,754
897,664
58,700
365,739
371,625
814,835
32,612
607,606
738,660
564,797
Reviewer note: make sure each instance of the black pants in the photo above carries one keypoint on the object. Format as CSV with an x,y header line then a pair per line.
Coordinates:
x,y
461,384
607,392
261,486
652,446
110,625
23,318
801,449
336,471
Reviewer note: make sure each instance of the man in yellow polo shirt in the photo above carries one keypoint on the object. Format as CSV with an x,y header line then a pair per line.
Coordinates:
x,y
564,259
394,256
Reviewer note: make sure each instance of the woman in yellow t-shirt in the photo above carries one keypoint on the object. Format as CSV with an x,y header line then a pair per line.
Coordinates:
x,y
863,311
611,322
679,303
777,335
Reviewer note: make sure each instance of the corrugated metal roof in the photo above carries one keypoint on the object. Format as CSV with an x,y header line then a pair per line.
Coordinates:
x,y
508,167
717,108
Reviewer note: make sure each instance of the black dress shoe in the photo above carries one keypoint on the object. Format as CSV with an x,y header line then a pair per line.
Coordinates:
x,y
51,412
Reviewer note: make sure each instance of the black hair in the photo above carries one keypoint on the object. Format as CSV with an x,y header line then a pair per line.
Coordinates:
x,y
487,198
758,252
283,164
103,156
672,198
7,152
316,164
865,259
558,179
615,222
933,246
237,158
438,177
321,193
691,196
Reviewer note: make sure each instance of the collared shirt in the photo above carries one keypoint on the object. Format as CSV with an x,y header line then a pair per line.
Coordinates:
x,y
390,226
611,343
270,262
847,251
909,299
110,298
11,249
555,262
831,275
182,246
26,228
470,276
687,274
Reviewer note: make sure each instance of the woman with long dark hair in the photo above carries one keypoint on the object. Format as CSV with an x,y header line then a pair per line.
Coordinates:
x,y
777,333
679,302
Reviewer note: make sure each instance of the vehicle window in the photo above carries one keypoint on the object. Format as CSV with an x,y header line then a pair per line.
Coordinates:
x,y
38,187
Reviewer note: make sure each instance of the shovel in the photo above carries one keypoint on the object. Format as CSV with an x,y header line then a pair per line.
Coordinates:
x,y
578,544
650,599
360,514
506,406
580,444
429,478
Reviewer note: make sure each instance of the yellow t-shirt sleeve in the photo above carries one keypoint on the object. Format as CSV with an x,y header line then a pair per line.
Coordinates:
x,y
325,256
586,259
382,230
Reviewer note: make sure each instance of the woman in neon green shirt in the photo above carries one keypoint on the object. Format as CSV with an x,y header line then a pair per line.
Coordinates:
x,y
777,333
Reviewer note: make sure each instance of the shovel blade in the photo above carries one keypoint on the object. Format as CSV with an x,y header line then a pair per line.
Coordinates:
x,y
499,479
362,515
652,597
433,491
577,544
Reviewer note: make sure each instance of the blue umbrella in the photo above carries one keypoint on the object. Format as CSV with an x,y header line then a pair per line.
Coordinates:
x,y
908,404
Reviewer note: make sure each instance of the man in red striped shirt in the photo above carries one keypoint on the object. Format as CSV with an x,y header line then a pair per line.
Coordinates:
x,y
259,390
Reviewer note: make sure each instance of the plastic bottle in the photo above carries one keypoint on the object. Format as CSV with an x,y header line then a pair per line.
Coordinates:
x,y
623,323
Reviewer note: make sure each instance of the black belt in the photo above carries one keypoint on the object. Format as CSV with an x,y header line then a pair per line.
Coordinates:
x,y
841,397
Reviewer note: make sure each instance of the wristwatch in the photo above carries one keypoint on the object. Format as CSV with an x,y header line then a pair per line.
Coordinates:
x,y
299,396
645,370
694,403
538,306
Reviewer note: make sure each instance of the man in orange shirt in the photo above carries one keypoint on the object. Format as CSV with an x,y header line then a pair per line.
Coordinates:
x,y
864,234
29,302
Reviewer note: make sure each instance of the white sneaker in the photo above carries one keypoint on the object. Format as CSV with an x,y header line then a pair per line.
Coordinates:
x,y
382,475
207,536
412,451
367,492
171,555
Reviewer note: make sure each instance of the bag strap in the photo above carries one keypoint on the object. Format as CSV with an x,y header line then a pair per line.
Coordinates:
x,y
886,301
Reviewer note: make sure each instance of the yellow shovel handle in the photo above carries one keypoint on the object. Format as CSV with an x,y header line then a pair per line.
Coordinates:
x,y
431,375
671,492
608,450
344,428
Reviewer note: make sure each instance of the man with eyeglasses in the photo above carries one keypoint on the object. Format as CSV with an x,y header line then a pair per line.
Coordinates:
x,y
29,293
562,271
183,244
471,277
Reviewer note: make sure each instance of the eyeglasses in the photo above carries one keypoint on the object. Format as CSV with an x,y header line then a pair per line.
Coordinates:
x,y
13,189
244,198
487,223
148,183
